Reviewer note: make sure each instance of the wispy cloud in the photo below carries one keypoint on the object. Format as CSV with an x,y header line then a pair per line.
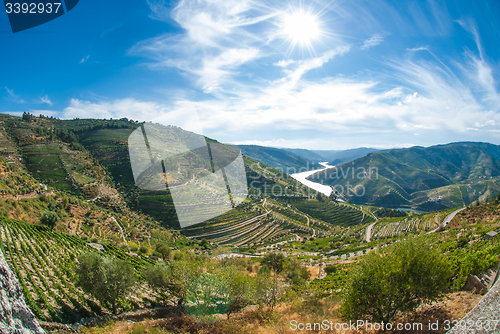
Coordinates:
x,y
215,43
45,99
84,59
159,10
376,39
284,63
413,95
110,30
420,48
128,107
14,97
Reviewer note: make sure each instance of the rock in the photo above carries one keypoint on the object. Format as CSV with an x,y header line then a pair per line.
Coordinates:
x,y
15,315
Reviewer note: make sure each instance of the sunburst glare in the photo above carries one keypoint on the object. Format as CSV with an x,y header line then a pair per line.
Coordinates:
x,y
300,28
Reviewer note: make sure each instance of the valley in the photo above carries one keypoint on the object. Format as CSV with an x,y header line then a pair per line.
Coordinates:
x,y
68,192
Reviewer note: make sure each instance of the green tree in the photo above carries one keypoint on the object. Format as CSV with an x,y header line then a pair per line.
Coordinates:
x,y
164,251
107,279
240,287
268,291
275,261
49,218
173,279
264,269
396,279
330,270
206,296
157,278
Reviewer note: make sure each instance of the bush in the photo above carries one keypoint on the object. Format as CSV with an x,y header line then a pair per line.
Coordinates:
x,y
163,251
49,218
330,270
396,279
107,279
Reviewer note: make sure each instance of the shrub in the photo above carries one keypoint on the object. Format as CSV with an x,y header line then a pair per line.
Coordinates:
x,y
396,279
107,279
330,270
49,218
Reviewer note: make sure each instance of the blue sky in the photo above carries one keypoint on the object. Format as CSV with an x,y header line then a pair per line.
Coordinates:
x,y
310,74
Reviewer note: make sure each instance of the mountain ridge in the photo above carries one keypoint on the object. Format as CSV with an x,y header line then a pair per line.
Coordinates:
x,y
405,177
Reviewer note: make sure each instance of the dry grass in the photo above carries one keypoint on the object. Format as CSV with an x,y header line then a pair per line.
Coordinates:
x,y
254,321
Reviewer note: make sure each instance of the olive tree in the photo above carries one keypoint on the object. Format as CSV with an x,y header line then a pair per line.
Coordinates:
x,y
173,279
396,279
49,218
107,279
241,288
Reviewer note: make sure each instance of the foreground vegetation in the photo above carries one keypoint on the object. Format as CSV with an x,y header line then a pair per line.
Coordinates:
x,y
86,243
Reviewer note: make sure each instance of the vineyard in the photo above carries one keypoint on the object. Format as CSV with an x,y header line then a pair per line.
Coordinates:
x,y
414,224
331,284
406,225
298,220
338,214
239,228
43,260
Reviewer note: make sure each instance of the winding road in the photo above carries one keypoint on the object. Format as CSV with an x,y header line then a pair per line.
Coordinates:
x,y
447,220
369,232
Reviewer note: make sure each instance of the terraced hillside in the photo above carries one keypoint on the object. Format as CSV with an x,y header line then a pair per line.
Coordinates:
x,y
243,227
414,224
51,155
262,222
281,209
43,260
334,213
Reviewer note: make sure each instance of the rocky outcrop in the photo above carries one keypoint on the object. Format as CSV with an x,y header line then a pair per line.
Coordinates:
x,y
15,315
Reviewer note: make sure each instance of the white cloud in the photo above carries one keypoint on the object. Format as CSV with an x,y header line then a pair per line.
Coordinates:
x,y
159,10
430,101
129,108
423,97
284,63
376,39
421,48
83,60
217,69
45,99
215,44
14,97
491,122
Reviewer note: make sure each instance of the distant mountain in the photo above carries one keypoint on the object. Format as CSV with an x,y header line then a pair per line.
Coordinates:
x,y
340,157
333,157
307,154
429,178
282,159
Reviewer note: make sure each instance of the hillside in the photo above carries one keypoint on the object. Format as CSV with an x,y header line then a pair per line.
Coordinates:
x,y
432,178
101,211
90,159
285,160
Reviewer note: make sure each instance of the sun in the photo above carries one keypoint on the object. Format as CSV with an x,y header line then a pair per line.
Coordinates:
x,y
301,27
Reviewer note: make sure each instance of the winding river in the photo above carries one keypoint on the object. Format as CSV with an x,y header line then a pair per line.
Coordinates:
x,y
302,178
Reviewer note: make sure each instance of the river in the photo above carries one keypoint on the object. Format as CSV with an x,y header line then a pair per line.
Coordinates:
x,y
302,178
